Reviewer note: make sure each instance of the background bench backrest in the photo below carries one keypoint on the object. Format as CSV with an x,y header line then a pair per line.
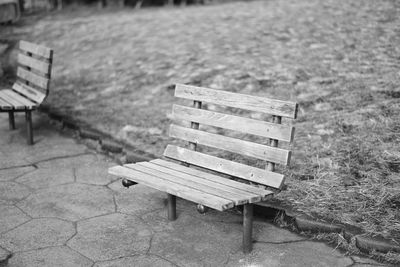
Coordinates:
x,y
34,71
272,131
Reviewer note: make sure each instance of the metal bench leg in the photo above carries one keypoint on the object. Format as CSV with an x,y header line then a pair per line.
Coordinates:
x,y
11,120
247,228
171,207
29,130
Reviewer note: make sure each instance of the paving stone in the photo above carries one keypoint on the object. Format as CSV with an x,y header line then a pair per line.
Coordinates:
x,y
55,151
11,192
49,257
142,261
10,174
47,177
192,242
138,199
72,202
96,173
69,162
7,161
37,233
266,232
10,217
304,253
111,236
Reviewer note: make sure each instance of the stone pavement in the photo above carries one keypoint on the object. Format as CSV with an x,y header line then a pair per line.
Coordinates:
x,y
59,207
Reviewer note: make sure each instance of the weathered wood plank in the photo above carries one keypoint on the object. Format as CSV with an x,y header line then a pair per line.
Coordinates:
x,y
186,180
34,63
277,155
15,103
172,188
33,78
235,169
36,49
237,195
26,102
248,102
215,178
236,123
29,92
4,105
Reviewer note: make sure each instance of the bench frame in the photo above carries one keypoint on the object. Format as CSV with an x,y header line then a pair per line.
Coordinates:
x,y
32,85
176,179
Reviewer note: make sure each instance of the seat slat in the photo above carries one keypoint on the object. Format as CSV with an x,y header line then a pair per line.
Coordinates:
x,y
248,102
232,168
5,105
36,49
188,181
246,125
215,178
172,188
212,177
272,154
28,103
29,92
34,63
15,103
237,195
33,78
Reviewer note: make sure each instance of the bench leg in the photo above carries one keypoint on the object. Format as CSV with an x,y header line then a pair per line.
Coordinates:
x,y
29,130
171,207
11,120
247,228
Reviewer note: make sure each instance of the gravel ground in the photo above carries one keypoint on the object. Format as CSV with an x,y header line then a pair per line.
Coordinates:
x,y
115,70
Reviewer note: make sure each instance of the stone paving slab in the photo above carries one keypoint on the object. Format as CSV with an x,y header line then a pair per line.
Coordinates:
x,y
37,233
70,202
50,257
11,217
62,209
10,174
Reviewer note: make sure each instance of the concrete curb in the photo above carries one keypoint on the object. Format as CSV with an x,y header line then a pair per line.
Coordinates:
x,y
122,153
304,223
300,221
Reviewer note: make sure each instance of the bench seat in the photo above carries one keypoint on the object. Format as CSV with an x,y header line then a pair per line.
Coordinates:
x,y
11,100
192,184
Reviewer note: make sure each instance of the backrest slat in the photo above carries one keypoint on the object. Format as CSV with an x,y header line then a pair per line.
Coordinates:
x,y
29,92
34,63
246,125
33,78
235,169
35,49
248,102
34,71
230,144
220,138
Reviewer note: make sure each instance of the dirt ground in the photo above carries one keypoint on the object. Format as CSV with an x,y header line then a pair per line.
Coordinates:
x,y
115,70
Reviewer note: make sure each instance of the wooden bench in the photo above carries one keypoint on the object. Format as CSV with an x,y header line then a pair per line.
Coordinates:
x,y
209,184
32,84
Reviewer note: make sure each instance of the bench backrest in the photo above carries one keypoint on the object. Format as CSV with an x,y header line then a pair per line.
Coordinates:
x,y
34,71
272,131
